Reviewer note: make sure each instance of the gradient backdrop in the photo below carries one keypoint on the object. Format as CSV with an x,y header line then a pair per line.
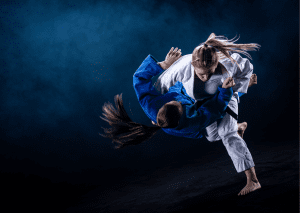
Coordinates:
x,y
62,60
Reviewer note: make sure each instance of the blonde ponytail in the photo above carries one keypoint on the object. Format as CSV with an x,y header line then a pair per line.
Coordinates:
x,y
223,45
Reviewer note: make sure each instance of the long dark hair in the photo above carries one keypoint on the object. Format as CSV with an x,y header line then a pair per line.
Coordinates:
x,y
123,130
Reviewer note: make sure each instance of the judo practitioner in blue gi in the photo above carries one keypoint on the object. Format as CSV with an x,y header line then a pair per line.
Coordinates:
x,y
201,73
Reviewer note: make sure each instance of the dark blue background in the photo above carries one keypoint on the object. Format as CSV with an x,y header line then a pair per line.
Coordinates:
x,y
62,60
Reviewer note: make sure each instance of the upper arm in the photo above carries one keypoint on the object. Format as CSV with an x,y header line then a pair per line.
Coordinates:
x,y
246,68
242,76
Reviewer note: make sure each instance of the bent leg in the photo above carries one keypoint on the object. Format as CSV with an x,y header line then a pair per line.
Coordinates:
x,y
237,150
234,144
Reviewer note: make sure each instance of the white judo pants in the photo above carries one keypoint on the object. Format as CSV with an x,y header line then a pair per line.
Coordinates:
x,y
226,129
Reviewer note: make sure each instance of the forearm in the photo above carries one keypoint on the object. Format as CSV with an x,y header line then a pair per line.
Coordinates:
x,y
142,77
147,69
211,110
219,102
180,70
163,65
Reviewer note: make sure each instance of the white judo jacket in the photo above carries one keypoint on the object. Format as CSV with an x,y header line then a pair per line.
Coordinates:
x,y
182,70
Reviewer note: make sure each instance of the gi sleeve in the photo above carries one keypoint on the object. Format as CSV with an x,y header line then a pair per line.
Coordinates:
x,y
211,110
142,83
240,94
178,71
241,77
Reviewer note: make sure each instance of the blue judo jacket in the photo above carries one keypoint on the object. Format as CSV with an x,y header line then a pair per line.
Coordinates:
x,y
194,119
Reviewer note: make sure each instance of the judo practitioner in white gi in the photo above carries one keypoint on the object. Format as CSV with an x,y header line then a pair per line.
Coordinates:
x,y
201,73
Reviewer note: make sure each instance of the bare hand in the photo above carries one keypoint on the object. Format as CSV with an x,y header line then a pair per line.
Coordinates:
x,y
229,82
253,80
172,56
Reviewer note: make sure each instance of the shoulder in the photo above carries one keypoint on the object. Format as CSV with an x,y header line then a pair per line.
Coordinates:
x,y
239,58
243,62
182,65
186,57
236,56
184,60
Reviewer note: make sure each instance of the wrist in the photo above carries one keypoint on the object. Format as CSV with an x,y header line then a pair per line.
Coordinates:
x,y
163,65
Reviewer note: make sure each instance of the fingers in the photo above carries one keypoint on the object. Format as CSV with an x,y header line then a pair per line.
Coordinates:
x,y
172,56
253,79
229,82
171,50
174,52
233,81
178,53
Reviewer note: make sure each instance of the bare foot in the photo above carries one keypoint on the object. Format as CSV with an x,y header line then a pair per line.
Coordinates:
x,y
250,187
253,80
241,128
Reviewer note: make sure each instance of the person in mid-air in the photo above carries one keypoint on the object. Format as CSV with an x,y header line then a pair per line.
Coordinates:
x,y
175,112
201,73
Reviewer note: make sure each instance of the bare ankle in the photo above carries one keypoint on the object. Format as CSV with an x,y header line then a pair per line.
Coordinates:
x,y
252,179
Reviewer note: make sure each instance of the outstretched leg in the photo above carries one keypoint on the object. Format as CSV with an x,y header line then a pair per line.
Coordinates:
x,y
237,149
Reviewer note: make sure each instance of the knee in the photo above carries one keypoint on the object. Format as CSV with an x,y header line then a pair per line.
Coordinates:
x,y
222,132
228,135
227,131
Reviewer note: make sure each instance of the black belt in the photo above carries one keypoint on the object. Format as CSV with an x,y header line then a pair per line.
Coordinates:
x,y
200,103
228,110
232,113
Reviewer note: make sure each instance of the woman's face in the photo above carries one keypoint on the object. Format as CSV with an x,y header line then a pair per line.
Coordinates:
x,y
204,74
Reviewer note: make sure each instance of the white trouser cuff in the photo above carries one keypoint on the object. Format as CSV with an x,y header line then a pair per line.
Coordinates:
x,y
243,164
